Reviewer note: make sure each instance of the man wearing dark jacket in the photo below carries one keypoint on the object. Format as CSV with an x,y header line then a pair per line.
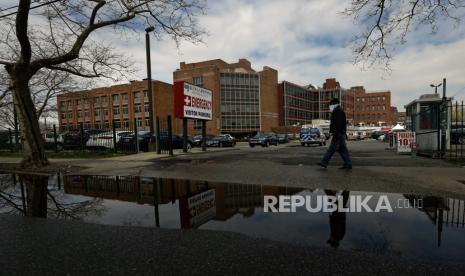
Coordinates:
x,y
338,129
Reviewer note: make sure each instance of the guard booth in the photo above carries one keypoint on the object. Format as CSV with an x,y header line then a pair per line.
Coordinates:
x,y
429,118
192,102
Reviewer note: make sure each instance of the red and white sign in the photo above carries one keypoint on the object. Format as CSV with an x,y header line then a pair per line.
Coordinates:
x,y
405,141
192,102
197,209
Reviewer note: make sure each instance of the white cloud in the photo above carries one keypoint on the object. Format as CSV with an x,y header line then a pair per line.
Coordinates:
x,y
307,41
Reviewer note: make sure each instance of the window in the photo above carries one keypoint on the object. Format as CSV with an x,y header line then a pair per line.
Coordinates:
x,y
384,99
125,109
137,108
147,122
79,114
197,124
78,102
105,111
96,100
146,94
70,115
146,107
363,100
87,114
115,98
116,110
117,123
104,99
384,107
124,96
97,112
372,99
63,115
126,123
197,81
136,96
139,122
378,99
86,101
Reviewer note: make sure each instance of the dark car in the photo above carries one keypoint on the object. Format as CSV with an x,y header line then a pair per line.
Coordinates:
x,y
376,134
224,141
457,136
74,138
197,140
283,138
264,140
127,143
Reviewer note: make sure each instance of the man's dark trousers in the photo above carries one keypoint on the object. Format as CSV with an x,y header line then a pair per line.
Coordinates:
x,y
333,147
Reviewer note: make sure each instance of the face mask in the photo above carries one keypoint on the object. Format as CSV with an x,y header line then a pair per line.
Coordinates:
x,y
332,107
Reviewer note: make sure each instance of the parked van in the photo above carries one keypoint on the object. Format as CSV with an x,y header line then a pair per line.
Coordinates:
x,y
312,135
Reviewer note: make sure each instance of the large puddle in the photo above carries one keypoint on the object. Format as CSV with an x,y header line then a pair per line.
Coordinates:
x,y
427,228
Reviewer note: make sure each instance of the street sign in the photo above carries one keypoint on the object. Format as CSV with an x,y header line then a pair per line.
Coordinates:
x,y
197,209
405,141
192,102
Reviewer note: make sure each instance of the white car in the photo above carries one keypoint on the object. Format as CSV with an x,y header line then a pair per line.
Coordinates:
x,y
105,140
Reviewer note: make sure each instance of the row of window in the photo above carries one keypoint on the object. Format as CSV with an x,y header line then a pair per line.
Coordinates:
x,y
240,122
116,111
373,107
373,99
372,116
239,79
104,99
106,124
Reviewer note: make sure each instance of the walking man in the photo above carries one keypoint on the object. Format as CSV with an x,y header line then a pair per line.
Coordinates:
x,y
337,129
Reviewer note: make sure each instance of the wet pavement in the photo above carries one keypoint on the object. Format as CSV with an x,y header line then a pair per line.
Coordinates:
x,y
419,228
221,195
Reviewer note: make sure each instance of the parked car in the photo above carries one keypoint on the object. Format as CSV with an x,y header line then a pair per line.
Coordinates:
x,y
197,140
224,141
376,134
105,140
264,140
127,142
312,135
49,141
283,138
457,136
72,138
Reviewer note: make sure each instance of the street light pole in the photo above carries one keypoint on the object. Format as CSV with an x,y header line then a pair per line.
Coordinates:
x,y
149,77
435,87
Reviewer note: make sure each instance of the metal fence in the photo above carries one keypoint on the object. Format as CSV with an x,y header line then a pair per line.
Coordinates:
x,y
114,137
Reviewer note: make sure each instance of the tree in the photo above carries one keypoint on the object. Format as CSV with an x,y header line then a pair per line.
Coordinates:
x,y
389,23
60,35
45,86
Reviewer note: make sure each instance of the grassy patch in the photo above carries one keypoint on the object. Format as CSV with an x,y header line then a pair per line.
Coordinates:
x,y
69,154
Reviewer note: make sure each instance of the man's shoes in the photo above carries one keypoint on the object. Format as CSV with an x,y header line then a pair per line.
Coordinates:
x,y
346,168
323,165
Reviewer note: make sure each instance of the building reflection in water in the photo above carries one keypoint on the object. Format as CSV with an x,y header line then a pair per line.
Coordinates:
x,y
199,201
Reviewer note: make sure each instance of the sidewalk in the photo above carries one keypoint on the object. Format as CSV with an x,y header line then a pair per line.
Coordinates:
x,y
50,247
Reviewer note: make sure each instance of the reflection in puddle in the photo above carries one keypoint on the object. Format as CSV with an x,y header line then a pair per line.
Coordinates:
x,y
433,232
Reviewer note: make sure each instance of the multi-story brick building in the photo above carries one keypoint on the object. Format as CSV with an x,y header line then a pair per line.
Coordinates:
x,y
244,100
371,108
122,105
300,105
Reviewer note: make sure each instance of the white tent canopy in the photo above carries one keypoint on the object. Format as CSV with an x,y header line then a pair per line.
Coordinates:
x,y
398,127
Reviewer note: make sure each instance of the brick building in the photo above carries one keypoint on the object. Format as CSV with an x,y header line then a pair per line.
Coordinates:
x,y
244,100
123,105
371,108
300,105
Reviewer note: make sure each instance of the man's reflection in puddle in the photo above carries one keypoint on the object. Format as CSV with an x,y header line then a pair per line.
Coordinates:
x,y
337,220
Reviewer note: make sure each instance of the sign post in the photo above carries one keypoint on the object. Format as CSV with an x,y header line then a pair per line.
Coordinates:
x,y
192,102
405,141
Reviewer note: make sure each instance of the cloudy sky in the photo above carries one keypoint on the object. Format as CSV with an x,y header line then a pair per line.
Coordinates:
x,y
307,42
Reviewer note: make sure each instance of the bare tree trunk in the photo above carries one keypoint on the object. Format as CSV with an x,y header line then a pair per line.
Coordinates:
x,y
36,195
33,149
